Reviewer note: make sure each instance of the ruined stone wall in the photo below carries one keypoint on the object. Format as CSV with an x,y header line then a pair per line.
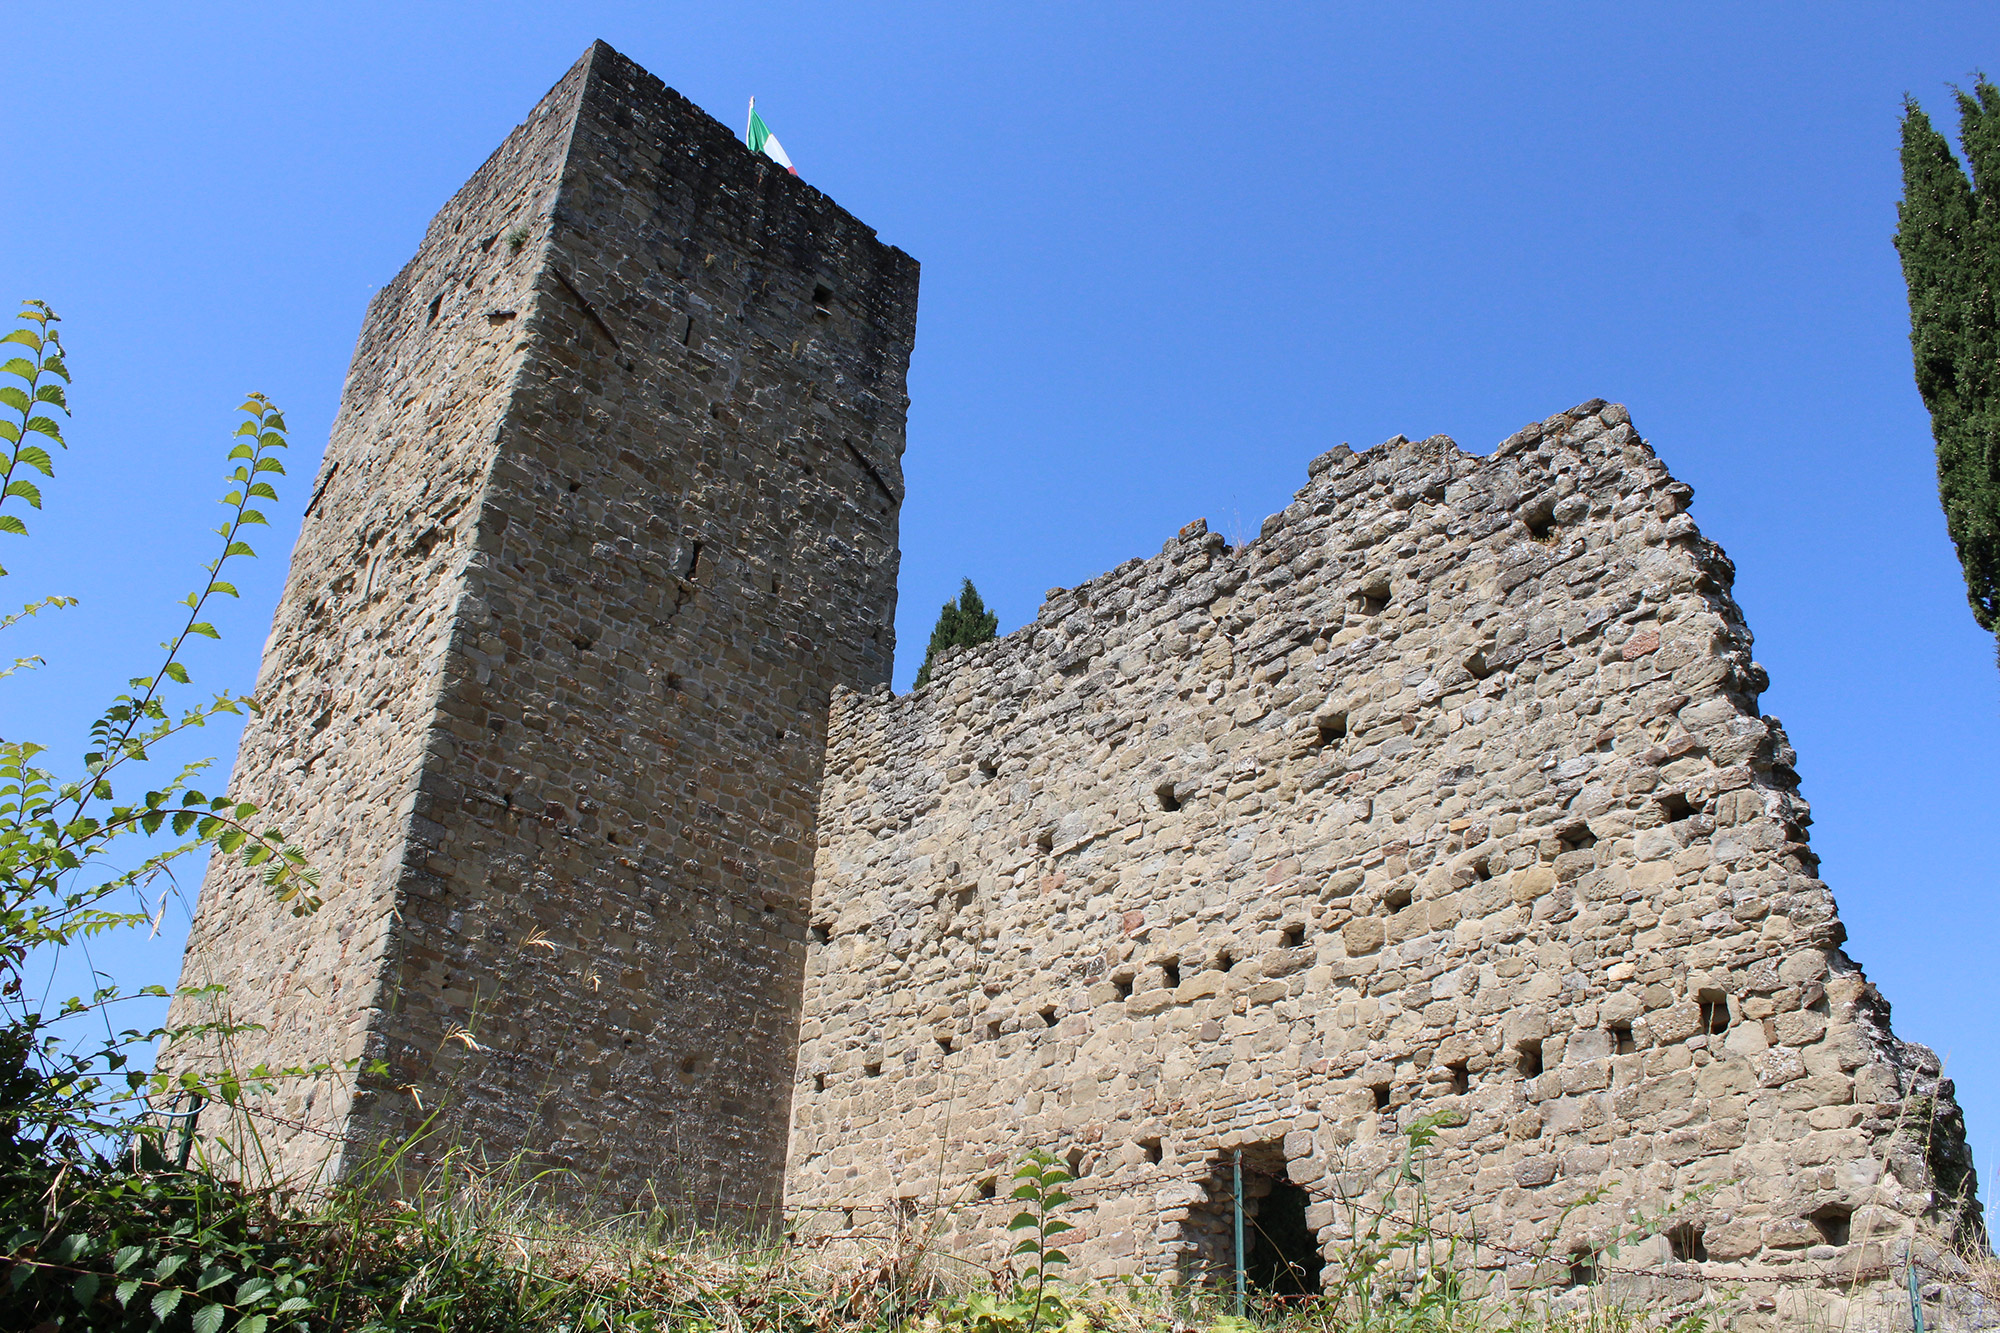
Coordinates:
x,y
659,532
1449,793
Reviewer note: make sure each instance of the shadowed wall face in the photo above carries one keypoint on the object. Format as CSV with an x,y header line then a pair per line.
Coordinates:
x,y
675,534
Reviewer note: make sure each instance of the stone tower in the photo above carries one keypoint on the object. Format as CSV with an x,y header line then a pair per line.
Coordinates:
x,y
608,511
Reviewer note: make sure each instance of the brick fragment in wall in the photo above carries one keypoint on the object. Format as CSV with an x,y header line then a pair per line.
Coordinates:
x,y
1448,794
608,512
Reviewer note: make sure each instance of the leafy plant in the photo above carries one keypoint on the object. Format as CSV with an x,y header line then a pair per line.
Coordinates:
x,y
1040,1189
59,883
1948,235
963,623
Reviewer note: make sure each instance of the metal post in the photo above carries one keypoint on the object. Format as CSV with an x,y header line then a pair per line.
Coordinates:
x,y
1916,1299
1236,1194
195,1102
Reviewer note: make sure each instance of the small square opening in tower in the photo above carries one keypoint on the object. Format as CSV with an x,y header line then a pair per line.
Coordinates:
x,y
1168,798
1048,1015
1170,973
1715,1016
1294,935
1154,1150
1688,1244
1332,727
822,300
1622,1041
1528,1057
1582,1268
1834,1223
1461,1078
1381,1091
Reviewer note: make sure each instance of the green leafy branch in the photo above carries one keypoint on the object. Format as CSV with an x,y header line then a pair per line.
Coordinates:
x,y
39,392
1040,1188
57,835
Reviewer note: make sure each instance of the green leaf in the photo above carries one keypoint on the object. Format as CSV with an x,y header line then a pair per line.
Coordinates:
x,y
19,365
238,548
230,840
208,1318
183,821
126,1290
46,426
37,458
203,628
211,1275
293,1304
85,1289
126,1257
255,1323
26,489
23,336
255,1289
51,393
165,1300
175,672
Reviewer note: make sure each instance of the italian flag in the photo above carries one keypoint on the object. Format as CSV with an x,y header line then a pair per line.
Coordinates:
x,y
761,140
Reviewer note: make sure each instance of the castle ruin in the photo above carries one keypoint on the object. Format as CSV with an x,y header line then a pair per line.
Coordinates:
x,y
1449,793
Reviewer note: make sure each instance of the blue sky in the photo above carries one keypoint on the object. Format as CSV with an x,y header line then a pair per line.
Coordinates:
x,y
1170,253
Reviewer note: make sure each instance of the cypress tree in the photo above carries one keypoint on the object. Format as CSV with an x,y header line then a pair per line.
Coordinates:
x,y
960,624
1948,234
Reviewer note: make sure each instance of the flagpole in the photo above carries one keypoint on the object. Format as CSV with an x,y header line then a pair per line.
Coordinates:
x,y
746,123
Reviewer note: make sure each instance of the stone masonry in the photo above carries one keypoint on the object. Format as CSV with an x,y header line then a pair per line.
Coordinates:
x,y
608,511
1447,794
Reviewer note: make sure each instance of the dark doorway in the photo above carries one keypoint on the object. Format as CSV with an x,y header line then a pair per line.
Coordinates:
x,y
1282,1252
